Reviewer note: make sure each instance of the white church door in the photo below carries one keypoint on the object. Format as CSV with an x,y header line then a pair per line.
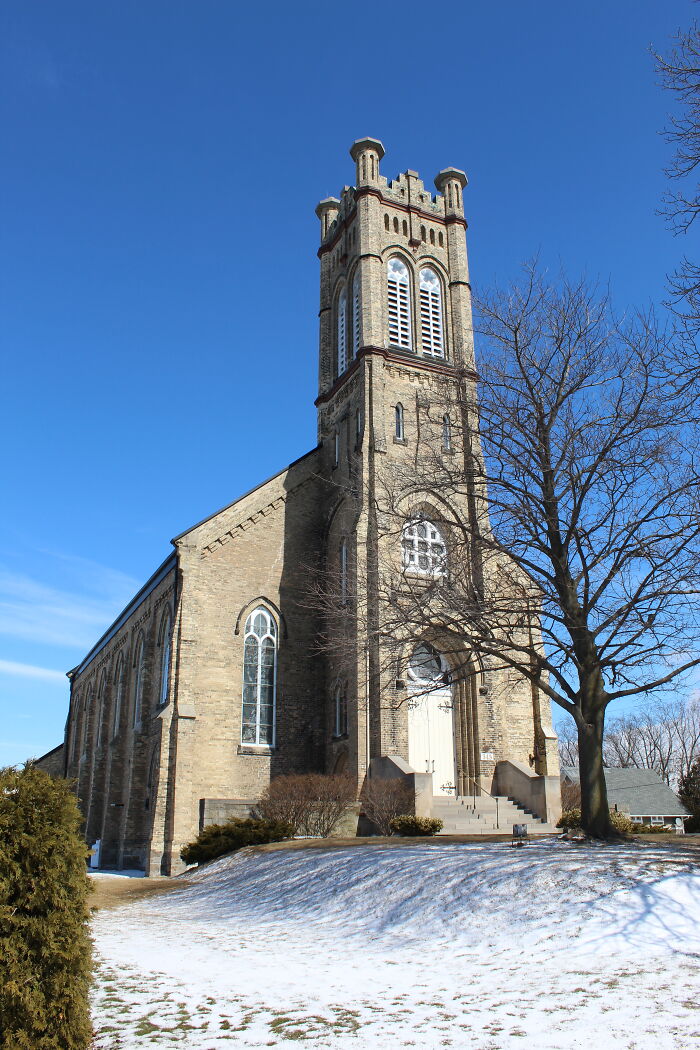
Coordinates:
x,y
431,747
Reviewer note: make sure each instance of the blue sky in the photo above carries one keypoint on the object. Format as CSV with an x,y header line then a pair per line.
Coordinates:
x,y
158,272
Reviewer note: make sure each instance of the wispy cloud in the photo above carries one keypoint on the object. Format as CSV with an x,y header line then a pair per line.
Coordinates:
x,y
30,671
72,615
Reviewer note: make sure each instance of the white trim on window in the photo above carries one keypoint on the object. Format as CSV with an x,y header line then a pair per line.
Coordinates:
x,y
424,549
432,337
258,718
399,304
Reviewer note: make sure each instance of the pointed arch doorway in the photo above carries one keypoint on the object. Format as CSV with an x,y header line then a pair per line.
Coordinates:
x,y
442,724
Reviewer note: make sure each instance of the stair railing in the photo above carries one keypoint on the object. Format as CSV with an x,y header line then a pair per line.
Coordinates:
x,y
481,788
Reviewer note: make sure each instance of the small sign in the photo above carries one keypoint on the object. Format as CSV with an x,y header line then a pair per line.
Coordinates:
x,y
487,756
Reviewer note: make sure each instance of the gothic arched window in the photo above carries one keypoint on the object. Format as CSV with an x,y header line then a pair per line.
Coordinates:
x,y
165,643
398,297
399,433
340,711
342,333
118,683
356,314
431,313
139,665
87,715
100,708
75,728
446,434
259,678
424,548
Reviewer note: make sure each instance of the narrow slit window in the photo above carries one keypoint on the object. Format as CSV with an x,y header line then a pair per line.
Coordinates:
x,y
343,570
399,304
446,434
138,680
336,447
398,423
431,314
340,711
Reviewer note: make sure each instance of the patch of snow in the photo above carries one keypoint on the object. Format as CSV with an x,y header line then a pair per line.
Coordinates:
x,y
123,873
476,946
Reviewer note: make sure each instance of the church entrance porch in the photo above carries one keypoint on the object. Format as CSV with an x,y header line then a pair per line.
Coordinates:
x,y
442,725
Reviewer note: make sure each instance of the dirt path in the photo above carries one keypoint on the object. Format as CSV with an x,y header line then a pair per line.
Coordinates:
x,y
109,891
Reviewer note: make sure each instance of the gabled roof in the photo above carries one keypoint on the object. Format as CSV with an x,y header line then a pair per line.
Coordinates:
x,y
640,792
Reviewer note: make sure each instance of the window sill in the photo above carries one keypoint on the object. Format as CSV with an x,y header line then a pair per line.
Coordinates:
x,y
400,441
336,737
255,750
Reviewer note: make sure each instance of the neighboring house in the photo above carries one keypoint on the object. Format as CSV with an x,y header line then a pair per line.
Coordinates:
x,y
211,681
641,793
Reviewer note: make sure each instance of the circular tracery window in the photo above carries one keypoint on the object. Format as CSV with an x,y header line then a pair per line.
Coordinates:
x,y
426,665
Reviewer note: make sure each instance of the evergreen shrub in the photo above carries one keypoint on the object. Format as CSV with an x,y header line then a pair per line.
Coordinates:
x,y
689,794
45,947
217,839
407,825
571,819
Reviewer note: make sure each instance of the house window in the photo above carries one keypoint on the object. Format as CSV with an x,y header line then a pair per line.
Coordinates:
x,y
399,304
356,315
398,423
165,642
424,548
259,679
431,313
342,333
340,711
446,434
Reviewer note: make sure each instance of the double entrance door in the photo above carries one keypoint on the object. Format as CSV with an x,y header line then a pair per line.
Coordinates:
x,y
431,737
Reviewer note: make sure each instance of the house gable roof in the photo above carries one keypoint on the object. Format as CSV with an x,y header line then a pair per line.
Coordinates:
x,y
640,792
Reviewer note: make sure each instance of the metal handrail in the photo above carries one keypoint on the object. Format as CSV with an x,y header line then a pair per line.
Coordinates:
x,y
482,788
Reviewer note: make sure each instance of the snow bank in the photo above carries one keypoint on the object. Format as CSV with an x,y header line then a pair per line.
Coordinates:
x,y
535,942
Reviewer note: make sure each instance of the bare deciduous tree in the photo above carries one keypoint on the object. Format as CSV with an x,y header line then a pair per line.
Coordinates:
x,y
679,72
579,565
311,802
663,736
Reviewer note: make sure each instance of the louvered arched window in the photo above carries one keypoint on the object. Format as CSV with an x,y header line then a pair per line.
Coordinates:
x,y
356,314
259,678
431,314
424,548
342,332
165,642
399,302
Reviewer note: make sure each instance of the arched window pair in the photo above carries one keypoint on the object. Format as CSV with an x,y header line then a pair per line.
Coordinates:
x,y
259,679
424,549
348,341
399,308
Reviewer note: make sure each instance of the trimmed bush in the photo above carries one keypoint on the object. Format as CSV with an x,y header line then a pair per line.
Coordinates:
x,y
407,825
384,800
571,819
45,961
312,803
215,840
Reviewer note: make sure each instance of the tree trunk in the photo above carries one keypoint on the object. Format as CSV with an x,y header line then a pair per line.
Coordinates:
x,y
595,812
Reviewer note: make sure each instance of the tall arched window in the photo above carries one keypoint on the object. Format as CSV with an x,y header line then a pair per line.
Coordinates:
x,y
139,662
446,434
87,715
99,708
398,423
343,569
259,678
340,711
399,304
424,548
431,313
356,314
342,333
165,643
75,729
118,684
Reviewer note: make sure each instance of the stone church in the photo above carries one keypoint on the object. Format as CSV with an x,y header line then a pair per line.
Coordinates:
x,y
220,675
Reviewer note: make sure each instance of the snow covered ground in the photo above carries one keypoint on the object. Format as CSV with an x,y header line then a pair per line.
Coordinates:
x,y
477,946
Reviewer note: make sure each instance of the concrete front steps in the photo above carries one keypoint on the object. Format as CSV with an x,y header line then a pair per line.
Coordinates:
x,y
469,816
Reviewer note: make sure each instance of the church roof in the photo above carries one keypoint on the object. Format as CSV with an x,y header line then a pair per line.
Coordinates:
x,y
640,792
